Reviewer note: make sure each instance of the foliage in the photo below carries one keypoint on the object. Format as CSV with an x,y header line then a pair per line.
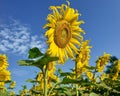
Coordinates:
x,y
65,41
98,85
4,94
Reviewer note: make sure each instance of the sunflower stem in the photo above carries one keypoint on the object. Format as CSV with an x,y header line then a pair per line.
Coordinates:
x,y
76,86
45,81
77,93
52,89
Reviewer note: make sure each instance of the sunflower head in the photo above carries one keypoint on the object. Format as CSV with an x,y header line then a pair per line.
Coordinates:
x,y
3,61
5,75
82,58
12,85
63,32
2,84
102,61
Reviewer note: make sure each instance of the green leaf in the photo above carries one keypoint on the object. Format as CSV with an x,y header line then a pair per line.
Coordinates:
x,y
93,94
37,92
31,81
39,62
4,93
61,89
25,62
24,87
59,70
47,58
109,88
34,53
68,81
113,59
65,91
90,67
67,74
85,83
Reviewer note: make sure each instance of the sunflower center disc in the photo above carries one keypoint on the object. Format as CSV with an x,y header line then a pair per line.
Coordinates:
x,y
62,34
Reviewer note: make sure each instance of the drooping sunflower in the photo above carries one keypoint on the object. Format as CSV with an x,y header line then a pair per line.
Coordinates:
x,y
82,58
64,32
117,70
51,71
102,61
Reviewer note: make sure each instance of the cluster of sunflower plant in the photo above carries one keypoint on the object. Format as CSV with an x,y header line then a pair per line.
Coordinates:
x,y
5,77
65,40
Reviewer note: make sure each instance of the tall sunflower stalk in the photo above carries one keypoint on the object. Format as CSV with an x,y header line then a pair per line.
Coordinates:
x,y
63,33
76,86
45,76
63,37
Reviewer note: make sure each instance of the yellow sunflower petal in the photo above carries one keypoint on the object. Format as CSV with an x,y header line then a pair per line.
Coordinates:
x,y
69,51
51,20
66,55
51,38
53,50
76,33
69,14
77,28
61,54
77,23
74,41
55,12
74,17
73,47
49,32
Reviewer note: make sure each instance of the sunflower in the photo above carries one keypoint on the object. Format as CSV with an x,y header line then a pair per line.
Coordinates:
x,y
5,75
51,71
12,85
118,66
64,32
89,75
82,58
2,84
51,76
3,62
102,61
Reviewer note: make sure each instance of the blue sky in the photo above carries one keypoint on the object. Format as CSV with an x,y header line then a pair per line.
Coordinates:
x,y
21,28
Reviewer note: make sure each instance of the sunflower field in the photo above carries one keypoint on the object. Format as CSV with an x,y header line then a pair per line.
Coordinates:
x,y
65,40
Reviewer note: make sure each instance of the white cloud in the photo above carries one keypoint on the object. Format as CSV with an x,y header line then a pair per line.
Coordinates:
x,y
18,38
20,72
